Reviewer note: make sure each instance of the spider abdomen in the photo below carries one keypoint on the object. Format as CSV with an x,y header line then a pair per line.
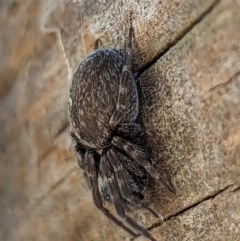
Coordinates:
x,y
94,96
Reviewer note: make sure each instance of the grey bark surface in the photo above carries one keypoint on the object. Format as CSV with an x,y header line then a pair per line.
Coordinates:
x,y
187,54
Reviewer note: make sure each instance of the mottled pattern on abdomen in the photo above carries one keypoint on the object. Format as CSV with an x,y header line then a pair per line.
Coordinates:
x,y
94,95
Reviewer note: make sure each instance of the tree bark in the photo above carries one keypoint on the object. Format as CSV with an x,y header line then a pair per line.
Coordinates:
x,y
187,56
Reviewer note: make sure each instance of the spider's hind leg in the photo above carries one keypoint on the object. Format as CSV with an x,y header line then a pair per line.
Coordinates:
x,y
139,155
117,199
92,174
80,155
123,181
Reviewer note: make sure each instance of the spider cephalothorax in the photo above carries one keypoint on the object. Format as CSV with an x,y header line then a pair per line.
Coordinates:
x,y
103,109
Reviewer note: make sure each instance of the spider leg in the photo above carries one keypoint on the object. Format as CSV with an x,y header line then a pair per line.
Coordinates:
x,y
131,165
118,201
126,73
97,44
92,174
122,184
80,156
139,155
132,131
128,42
82,164
129,47
122,97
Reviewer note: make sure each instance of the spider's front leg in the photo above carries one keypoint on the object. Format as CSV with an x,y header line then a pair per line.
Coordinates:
x,y
123,85
117,200
122,96
139,155
92,177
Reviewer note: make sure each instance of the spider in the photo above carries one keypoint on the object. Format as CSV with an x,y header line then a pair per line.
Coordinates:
x,y
108,137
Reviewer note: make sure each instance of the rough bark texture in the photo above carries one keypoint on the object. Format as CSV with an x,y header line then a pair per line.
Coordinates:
x,y
187,54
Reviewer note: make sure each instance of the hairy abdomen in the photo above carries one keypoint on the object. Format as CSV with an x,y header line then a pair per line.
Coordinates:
x,y
94,95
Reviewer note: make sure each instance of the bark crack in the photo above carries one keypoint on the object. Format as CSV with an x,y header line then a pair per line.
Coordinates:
x,y
27,213
183,210
178,38
236,189
64,128
208,197
49,192
58,33
225,83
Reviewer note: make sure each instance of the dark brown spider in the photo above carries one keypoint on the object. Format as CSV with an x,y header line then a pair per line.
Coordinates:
x,y
104,107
